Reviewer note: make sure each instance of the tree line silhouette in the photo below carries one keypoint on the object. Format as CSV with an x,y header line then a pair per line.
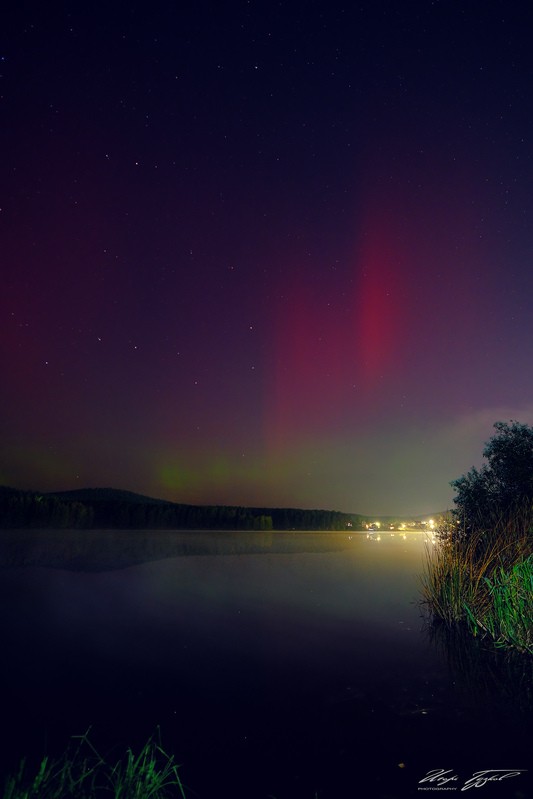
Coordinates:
x,y
114,509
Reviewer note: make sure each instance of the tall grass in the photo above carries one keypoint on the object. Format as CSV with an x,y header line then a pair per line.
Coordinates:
x,y
509,619
484,578
82,773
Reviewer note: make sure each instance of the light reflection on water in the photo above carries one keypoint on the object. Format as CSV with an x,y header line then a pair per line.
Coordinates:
x,y
287,661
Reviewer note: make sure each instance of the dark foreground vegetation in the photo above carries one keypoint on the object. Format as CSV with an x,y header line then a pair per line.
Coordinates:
x,y
120,510
82,773
480,574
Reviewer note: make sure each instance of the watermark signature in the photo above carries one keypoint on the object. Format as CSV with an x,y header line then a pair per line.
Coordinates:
x,y
441,779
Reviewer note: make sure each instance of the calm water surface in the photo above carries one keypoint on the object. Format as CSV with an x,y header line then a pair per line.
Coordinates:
x,y
279,665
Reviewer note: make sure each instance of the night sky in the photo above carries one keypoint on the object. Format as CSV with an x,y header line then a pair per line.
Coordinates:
x,y
264,253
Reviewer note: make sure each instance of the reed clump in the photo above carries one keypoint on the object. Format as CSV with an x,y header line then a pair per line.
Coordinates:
x,y
483,578
82,773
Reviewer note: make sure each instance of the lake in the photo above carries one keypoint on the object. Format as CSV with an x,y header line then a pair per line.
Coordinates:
x,y
287,665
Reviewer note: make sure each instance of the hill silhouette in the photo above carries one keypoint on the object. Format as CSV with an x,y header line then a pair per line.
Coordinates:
x,y
107,495
110,508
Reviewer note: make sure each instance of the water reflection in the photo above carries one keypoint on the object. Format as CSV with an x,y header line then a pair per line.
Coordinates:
x,y
484,677
103,550
282,664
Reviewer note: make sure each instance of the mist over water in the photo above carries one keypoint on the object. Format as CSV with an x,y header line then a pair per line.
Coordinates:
x,y
275,664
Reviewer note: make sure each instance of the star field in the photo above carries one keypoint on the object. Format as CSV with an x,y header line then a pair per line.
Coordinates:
x,y
264,253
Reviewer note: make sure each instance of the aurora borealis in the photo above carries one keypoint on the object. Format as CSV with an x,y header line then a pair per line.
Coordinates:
x,y
264,253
